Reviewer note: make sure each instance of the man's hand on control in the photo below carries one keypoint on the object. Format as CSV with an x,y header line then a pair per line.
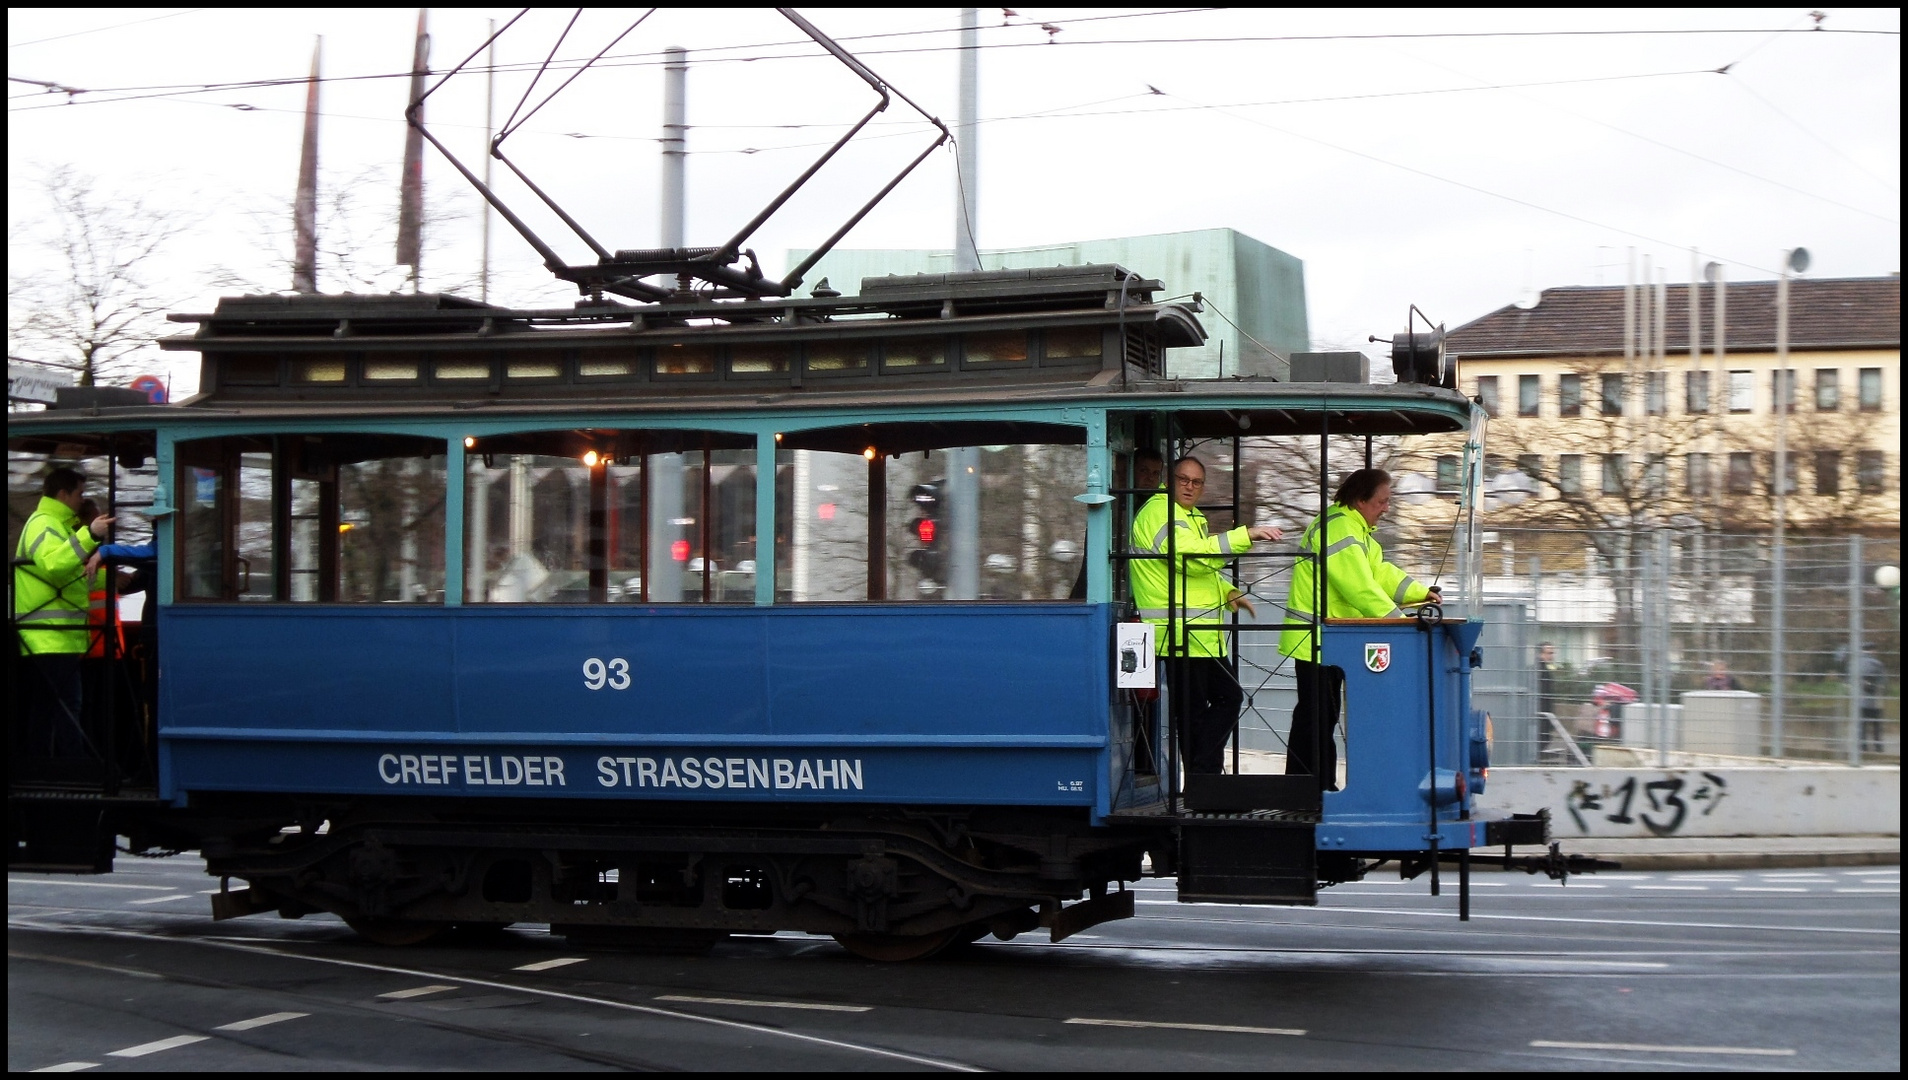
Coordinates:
x,y
1265,532
1437,596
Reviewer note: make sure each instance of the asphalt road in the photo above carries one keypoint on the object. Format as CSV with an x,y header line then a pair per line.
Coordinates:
x,y
1751,970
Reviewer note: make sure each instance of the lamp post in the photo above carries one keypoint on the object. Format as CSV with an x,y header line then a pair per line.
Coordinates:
x,y
1796,260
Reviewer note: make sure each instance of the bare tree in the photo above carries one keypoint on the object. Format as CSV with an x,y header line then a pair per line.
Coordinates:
x,y
86,295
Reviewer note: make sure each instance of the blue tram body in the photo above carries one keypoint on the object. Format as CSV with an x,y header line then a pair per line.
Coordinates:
x,y
367,684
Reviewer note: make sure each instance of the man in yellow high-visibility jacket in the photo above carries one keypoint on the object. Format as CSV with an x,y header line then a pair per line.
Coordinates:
x,y
1359,584
50,597
1206,693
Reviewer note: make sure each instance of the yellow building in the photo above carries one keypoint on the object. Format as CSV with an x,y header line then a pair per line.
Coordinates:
x,y
1586,433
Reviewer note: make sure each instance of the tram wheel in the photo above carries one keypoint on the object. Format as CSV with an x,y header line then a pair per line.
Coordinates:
x,y
895,948
397,932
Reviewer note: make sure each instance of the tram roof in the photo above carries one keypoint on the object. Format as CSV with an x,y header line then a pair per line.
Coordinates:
x,y
1082,336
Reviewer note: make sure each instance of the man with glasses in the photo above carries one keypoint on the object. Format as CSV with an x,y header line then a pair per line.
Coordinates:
x,y
1185,597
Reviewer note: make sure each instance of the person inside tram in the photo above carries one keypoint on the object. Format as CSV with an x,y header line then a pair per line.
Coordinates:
x,y
50,600
1359,584
1171,523
1147,465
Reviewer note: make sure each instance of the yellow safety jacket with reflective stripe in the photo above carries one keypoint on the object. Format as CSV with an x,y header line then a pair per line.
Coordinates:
x,y
50,587
1202,588
1359,583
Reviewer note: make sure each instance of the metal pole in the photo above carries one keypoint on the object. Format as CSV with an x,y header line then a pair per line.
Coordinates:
x,y
967,148
1854,650
1662,650
1779,578
675,143
490,114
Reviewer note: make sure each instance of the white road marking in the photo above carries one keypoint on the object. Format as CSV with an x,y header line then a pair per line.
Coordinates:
x,y
162,1044
1230,1028
1645,1048
559,995
810,1005
1561,885
160,899
260,1021
416,991
70,1066
1896,891
546,965
1765,888
1874,873
1445,914
1674,888
13,880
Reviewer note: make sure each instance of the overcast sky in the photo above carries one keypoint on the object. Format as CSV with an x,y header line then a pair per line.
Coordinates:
x,y
1454,159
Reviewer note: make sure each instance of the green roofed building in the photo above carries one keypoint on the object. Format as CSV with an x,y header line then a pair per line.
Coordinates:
x,y
1254,294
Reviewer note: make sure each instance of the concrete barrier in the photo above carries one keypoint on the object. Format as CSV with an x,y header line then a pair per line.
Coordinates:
x,y
1693,802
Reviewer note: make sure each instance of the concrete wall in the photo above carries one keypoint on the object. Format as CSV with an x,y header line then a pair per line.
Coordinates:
x,y
1722,801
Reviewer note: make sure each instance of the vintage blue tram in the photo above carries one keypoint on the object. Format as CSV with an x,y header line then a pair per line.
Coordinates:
x,y
700,617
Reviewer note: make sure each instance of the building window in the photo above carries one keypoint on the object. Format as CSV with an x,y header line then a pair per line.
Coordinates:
x,y
1828,472
1696,474
1696,392
1742,473
1828,389
1782,390
1656,476
1869,385
1789,486
1871,472
1742,391
1656,392
1449,468
1529,391
1531,465
1570,474
1487,393
1616,468
1570,395
1612,395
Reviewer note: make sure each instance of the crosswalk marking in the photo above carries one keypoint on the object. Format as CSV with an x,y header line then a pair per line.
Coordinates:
x,y
810,1005
1227,1028
416,991
546,965
69,1066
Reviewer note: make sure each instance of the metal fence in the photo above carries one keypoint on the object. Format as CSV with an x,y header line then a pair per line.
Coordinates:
x,y
1672,647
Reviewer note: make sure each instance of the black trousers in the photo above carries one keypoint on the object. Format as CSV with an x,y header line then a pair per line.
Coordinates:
x,y
1320,690
1205,705
54,727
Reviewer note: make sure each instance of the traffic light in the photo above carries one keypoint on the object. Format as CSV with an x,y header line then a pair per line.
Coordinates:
x,y
929,557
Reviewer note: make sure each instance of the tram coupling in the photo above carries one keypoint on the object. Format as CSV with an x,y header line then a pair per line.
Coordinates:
x,y
1553,863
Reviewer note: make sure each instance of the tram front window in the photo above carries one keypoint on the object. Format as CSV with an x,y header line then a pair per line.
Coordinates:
x,y
993,521
601,516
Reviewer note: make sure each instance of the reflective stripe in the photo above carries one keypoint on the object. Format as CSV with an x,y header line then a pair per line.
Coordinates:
x,y
73,542
37,542
1395,613
1404,587
1159,541
66,615
1225,543
1349,541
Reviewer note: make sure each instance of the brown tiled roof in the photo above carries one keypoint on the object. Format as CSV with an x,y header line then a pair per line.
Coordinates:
x,y
1835,313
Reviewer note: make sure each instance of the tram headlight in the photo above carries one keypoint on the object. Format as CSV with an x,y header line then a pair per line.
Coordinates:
x,y
591,459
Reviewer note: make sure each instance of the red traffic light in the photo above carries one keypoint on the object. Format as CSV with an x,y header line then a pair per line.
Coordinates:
x,y
924,529
679,551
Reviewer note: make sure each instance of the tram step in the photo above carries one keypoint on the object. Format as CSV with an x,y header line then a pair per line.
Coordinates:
x,y
1230,792
1247,861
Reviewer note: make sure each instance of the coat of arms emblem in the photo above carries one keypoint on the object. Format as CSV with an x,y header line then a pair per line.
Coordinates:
x,y
1377,655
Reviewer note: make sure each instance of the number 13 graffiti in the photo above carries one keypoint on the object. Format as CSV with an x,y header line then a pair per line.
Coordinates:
x,y
1667,809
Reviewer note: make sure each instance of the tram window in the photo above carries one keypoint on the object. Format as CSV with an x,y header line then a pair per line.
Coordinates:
x,y
460,370
821,527
837,356
598,367
1002,347
254,527
1079,343
916,354
685,360
385,369
391,530
533,366
764,358
573,517
249,371
318,371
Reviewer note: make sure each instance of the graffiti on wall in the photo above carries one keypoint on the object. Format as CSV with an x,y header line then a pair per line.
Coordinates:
x,y
1661,806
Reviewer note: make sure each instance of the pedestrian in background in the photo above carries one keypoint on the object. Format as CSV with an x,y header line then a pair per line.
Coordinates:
x,y
1719,677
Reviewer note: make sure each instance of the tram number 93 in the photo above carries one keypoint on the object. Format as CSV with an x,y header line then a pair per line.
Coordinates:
x,y
612,673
